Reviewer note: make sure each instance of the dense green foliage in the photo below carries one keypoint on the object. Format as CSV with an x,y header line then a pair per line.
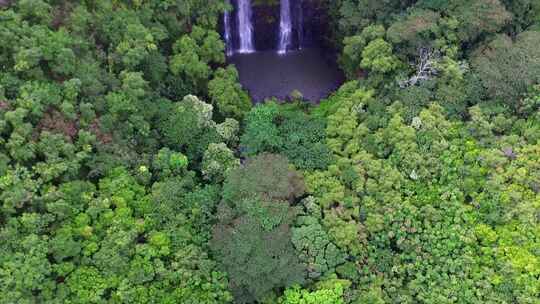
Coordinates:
x,y
253,236
290,132
134,168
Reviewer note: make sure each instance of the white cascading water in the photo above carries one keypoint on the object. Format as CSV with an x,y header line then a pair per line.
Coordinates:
x,y
285,27
245,28
227,33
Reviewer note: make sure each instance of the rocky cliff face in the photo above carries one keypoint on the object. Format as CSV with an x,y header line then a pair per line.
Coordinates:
x,y
310,23
266,25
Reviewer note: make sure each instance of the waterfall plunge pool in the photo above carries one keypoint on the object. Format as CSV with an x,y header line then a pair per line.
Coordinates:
x,y
268,74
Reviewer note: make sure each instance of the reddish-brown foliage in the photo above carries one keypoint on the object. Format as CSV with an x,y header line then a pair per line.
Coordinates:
x,y
103,137
55,122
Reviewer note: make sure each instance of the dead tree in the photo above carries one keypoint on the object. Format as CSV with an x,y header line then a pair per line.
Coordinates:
x,y
425,67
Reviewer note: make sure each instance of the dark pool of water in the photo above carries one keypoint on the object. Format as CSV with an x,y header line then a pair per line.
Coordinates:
x,y
268,74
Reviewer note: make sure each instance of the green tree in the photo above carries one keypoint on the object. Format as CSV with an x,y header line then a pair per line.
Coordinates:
x,y
252,240
354,45
266,176
227,94
480,17
415,29
526,12
296,295
271,128
254,247
315,248
188,126
217,161
377,57
508,68
194,53
169,163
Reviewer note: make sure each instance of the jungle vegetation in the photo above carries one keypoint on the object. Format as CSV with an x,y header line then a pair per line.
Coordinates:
x,y
135,169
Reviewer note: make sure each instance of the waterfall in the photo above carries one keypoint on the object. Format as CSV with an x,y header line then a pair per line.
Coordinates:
x,y
245,28
227,33
285,27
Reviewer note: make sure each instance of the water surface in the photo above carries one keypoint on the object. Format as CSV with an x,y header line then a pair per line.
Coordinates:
x,y
268,74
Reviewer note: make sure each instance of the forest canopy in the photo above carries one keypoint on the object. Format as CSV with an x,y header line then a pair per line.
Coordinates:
x,y
135,168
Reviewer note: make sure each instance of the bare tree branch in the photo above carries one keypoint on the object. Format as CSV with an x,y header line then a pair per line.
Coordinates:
x,y
426,67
